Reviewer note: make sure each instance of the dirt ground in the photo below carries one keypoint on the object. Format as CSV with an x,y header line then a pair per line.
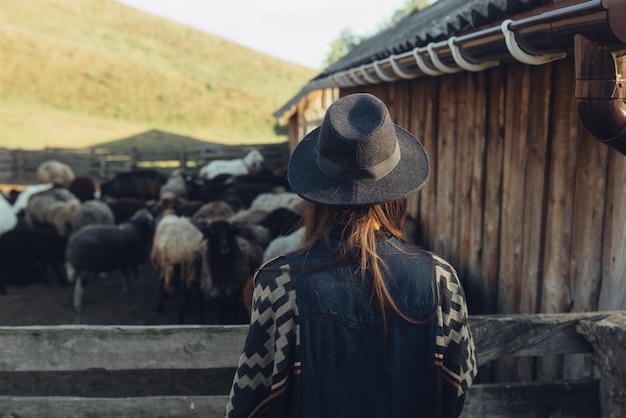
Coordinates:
x,y
105,303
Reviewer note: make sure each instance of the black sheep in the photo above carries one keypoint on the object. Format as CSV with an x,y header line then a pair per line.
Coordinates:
x,y
144,184
105,248
26,253
231,261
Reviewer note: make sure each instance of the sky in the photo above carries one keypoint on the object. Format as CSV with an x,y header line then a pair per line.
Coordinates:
x,y
299,31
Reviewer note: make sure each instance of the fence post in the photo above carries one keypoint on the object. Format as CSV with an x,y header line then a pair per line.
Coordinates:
x,y
103,166
608,338
134,158
18,159
183,160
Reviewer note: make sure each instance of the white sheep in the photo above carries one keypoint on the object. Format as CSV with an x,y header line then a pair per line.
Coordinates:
x,y
270,201
54,207
175,186
177,254
53,171
8,219
283,244
92,212
22,199
251,161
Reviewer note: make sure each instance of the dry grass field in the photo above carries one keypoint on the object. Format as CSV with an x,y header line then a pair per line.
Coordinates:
x,y
81,72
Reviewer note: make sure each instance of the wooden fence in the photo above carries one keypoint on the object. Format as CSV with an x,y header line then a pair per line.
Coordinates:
x,y
20,166
75,348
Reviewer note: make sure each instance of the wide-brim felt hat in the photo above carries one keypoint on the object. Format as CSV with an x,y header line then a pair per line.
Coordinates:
x,y
357,157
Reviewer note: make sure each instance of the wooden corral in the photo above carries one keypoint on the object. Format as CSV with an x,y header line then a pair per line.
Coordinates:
x,y
75,348
20,166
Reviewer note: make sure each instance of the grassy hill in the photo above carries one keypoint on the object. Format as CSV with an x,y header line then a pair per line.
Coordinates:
x,y
77,73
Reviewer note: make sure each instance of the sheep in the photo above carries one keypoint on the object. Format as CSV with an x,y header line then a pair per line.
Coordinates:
x,y
241,196
11,196
278,182
177,254
95,249
26,253
212,210
144,184
92,212
283,244
281,221
174,186
83,187
231,261
22,199
251,161
248,216
271,201
203,189
124,208
53,171
8,218
176,205
54,207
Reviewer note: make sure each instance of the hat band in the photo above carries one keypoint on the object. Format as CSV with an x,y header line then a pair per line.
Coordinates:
x,y
373,173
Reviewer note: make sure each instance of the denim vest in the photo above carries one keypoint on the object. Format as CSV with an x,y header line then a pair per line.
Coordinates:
x,y
351,366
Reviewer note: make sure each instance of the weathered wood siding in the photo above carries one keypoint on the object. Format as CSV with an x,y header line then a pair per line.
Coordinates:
x,y
522,200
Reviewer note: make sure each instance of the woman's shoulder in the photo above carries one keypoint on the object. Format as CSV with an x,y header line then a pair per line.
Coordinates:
x,y
275,271
442,263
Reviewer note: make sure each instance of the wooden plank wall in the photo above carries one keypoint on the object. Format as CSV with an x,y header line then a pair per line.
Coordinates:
x,y
522,200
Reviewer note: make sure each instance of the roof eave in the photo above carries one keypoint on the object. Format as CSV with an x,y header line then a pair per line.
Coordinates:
x,y
534,40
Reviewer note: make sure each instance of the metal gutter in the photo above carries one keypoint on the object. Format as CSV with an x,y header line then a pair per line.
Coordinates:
x,y
534,40
601,91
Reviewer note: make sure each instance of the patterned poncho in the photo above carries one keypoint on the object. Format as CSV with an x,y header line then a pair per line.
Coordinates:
x,y
318,347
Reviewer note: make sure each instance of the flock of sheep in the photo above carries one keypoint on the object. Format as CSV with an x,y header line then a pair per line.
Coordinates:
x,y
205,233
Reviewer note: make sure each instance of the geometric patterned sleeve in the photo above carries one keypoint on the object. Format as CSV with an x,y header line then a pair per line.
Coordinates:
x,y
268,354
455,345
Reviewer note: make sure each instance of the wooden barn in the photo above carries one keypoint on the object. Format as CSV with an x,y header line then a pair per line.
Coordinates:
x,y
520,104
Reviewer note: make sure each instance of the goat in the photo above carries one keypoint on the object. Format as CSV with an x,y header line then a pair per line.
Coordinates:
x,y
251,161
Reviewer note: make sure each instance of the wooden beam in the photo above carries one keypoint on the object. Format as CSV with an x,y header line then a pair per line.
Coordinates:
x,y
81,347
138,407
533,400
67,348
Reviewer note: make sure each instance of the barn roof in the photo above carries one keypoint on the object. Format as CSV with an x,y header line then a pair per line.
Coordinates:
x,y
470,35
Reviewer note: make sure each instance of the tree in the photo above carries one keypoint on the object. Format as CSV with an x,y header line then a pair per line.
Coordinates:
x,y
347,40
342,45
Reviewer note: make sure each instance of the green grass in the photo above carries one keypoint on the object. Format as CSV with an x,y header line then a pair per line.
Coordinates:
x,y
78,73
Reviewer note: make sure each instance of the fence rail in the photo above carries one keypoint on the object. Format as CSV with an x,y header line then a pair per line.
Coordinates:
x,y
76,347
20,166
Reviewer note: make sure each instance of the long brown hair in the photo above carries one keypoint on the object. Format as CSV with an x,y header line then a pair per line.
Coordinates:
x,y
358,229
